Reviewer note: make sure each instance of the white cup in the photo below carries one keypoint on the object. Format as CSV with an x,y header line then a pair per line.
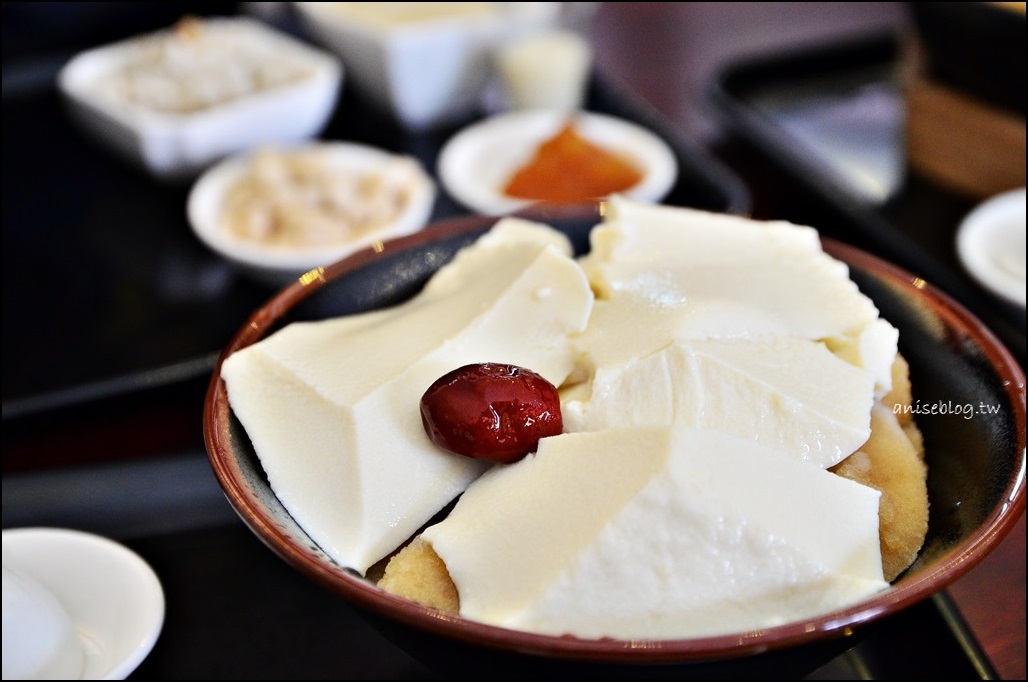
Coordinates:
x,y
546,70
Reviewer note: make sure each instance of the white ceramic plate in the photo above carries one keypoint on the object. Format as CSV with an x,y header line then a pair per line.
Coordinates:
x,y
476,162
112,596
991,245
276,265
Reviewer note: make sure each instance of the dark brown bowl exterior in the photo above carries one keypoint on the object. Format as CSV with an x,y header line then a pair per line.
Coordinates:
x,y
976,470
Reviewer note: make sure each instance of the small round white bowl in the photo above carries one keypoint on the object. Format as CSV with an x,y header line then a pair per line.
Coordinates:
x,y
475,163
113,597
278,265
991,245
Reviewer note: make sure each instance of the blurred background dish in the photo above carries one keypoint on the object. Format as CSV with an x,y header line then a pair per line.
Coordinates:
x,y
476,165
279,212
426,64
176,100
991,245
112,596
40,640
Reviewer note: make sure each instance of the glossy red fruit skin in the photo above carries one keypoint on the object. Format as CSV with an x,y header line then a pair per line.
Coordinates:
x,y
491,411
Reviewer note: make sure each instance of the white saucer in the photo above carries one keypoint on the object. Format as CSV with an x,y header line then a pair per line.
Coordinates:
x,y
476,162
991,245
112,596
279,266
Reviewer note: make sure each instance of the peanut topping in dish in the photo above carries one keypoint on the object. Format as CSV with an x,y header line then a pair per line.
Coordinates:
x,y
197,65
303,198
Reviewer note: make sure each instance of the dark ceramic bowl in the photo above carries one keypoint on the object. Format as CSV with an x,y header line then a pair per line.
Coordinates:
x,y
976,476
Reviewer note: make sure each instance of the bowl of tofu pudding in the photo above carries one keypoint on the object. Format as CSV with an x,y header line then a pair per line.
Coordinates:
x,y
620,439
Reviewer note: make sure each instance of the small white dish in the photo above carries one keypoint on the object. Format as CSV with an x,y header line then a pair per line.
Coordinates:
x,y
475,163
113,597
175,144
278,265
991,245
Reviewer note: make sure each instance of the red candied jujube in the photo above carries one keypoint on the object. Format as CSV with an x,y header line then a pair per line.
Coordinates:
x,y
491,411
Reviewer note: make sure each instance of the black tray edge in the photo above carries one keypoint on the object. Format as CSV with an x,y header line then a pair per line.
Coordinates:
x,y
113,387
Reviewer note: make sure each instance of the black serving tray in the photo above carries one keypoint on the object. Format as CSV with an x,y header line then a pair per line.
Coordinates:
x,y
105,289
235,610
786,108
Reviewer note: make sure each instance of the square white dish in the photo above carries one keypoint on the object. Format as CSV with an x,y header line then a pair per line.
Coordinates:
x,y
425,66
176,144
